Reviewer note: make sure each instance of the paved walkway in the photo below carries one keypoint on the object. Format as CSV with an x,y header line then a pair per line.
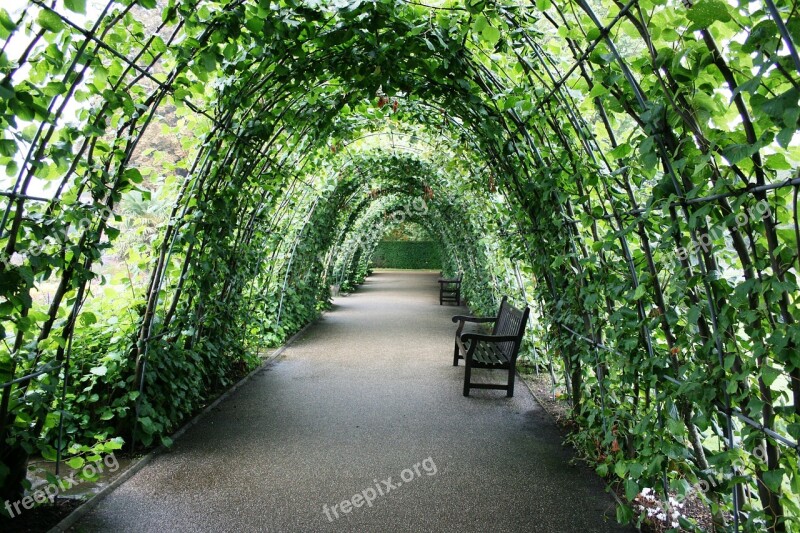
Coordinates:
x,y
366,402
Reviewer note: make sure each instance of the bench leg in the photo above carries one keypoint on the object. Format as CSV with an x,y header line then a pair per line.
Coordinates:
x,y
467,376
455,356
511,376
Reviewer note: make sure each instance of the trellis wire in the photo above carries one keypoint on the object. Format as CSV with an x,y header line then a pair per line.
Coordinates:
x,y
29,377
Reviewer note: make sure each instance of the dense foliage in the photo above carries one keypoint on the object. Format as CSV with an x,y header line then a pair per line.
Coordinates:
x,y
187,179
407,254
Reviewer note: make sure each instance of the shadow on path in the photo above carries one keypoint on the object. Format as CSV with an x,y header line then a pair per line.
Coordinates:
x,y
366,394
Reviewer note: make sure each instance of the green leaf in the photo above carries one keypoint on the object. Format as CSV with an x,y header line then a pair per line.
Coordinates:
x,y
38,316
777,162
675,426
48,453
631,489
777,106
22,107
620,468
728,361
12,168
597,90
254,24
55,87
491,35
76,462
147,425
621,151
78,6
648,153
87,318
705,12
6,24
639,292
99,370
133,175
6,90
475,6
635,469
624,514
543,5
50,21
736,152
769,375
773,479
115,443
759,34
209,61
785,136
112,233
8,147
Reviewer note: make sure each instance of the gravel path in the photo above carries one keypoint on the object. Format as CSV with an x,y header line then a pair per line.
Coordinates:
x,y
366,407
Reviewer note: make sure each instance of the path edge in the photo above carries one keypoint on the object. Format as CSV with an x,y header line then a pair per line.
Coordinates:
x,y
609,488
92,502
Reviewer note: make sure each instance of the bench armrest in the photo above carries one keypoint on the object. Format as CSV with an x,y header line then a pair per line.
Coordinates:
x,y
487,338
442,280
476,319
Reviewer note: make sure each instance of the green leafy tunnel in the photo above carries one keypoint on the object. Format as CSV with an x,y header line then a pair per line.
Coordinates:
x,y
186,180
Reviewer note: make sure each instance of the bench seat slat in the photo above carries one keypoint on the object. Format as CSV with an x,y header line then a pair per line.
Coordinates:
x,y
490,355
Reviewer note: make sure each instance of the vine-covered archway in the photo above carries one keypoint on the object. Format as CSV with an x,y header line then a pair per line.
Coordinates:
x,y
186,179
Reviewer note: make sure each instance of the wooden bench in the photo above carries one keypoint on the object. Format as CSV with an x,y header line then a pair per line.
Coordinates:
x,y
497,351
450,290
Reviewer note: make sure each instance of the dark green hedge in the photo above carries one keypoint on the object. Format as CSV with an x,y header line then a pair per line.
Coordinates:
x,y
407,254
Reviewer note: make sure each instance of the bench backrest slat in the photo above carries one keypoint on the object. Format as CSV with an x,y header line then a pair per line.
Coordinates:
x,y
510,321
